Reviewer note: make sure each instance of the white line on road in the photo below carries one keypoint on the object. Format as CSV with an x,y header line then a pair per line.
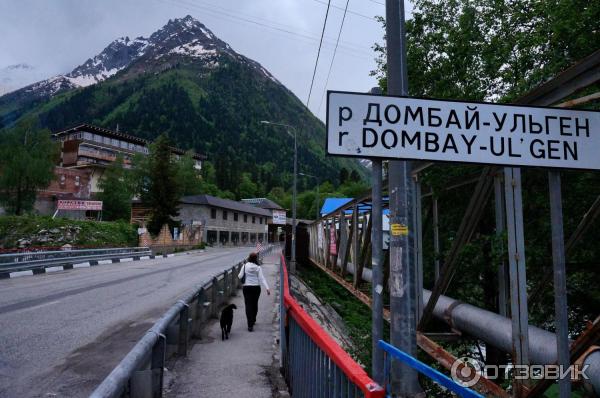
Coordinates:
x,y
126,260
81,265
102,262
20,273
55,269
145,258
40,305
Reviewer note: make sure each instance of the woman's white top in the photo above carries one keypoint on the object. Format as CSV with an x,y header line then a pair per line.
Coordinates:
x,y
254,275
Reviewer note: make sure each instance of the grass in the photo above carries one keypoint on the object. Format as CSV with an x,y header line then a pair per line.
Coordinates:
x,y
83,233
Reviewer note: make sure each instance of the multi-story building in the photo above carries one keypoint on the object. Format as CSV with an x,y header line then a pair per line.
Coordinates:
x,y
85,153
225,221
94,148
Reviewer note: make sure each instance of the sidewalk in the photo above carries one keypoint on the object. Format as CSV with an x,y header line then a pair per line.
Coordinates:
x,y
242,366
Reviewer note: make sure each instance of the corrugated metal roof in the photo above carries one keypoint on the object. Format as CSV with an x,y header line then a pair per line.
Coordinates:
x,y
262,202
227,204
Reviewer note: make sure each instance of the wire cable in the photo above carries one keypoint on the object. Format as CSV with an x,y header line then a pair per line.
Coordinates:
x,y
318,54
333,57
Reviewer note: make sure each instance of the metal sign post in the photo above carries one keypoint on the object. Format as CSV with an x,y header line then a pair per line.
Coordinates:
x,y
404,380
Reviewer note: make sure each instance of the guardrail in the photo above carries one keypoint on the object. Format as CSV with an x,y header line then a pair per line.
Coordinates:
x,y
35,260
313,364
140,373
54,254
438,377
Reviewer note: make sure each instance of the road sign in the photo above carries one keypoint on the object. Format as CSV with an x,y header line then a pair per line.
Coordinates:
x,y
366,125
279,217
79,205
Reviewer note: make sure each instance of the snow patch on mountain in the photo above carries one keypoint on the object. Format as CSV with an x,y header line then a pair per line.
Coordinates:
x,y
193,49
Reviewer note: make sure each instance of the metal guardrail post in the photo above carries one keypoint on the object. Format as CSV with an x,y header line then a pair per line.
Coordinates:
x,y
214,305
158,365
184,330
199,313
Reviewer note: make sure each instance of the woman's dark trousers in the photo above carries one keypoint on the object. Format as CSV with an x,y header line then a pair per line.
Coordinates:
x,y
251,295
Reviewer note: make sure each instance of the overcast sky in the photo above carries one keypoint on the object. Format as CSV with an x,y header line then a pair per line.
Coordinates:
x,y
54,36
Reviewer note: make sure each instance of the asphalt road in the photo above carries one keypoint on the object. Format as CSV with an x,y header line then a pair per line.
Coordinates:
x,y
62,333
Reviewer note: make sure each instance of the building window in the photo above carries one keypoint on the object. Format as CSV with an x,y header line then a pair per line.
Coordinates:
x,y
213,213
76,181
235,216
245,217
224,214
253,220
63,179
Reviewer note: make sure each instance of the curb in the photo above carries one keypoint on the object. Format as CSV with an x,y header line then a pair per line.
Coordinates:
x,y
87,264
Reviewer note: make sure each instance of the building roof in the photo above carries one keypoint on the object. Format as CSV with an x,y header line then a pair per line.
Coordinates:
x,y
117,134
227,204
263,203
331,204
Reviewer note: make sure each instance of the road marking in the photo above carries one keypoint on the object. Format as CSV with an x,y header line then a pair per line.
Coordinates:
x,y
55,269
40,305
126,260
104,262
81,265
20,273
145,258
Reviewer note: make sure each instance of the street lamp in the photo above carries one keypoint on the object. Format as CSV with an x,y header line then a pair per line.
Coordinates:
x,y
318,196
289,128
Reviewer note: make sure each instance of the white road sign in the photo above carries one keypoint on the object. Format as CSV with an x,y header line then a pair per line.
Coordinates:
x,y
366,125
279,217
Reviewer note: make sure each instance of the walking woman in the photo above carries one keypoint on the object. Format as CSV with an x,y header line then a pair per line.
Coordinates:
x,y
253,277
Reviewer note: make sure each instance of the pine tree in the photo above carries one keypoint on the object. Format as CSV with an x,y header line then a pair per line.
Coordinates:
x,y
116,192
162,188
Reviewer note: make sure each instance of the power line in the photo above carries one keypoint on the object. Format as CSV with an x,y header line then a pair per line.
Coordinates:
x,y
333,57
318,54
355,51
350,11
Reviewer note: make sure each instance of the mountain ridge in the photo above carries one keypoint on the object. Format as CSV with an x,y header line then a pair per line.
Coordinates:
x,y
186,82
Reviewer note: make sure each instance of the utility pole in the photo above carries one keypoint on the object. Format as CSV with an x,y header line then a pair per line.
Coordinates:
x,y
288,130
403,297
377,289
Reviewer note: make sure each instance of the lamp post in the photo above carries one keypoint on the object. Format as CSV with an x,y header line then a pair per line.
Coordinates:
x,y
288,129
318,197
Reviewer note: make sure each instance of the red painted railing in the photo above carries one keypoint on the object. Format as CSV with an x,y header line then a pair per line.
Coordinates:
x,y
351,371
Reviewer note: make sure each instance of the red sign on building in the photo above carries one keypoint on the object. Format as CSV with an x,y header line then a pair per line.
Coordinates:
x,y
79,205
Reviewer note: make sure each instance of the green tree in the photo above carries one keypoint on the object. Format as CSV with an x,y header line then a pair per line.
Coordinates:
x,y
247,188
116,191
27,160
160,185
188,177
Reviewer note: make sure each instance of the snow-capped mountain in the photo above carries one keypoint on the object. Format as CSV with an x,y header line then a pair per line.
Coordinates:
x,y
181,37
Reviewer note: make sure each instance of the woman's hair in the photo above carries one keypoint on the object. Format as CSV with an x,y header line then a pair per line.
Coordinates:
x,y
253,258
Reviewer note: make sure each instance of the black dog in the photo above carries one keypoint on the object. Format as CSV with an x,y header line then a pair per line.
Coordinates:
x,y
226,320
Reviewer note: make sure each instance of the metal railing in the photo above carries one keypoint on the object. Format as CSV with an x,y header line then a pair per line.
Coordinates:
x,y
29,260
140,373
436,376
54,254
313,364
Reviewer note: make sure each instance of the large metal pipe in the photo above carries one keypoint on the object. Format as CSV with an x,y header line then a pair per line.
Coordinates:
x,y
496,330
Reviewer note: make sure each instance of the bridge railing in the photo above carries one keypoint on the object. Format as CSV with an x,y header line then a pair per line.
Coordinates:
x,y
140,373
392,352
313,364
